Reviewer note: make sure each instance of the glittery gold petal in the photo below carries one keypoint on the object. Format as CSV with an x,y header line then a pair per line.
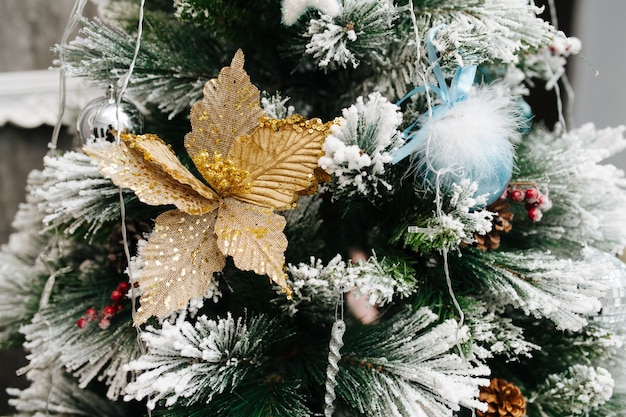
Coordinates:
x,y
222,174
158,152
281,157
254,237
127,168
180,258
230,108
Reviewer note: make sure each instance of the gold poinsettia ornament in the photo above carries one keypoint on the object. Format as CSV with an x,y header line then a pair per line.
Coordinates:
x,y
252,164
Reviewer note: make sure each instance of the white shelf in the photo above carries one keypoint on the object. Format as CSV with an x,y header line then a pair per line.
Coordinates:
x,y
31,98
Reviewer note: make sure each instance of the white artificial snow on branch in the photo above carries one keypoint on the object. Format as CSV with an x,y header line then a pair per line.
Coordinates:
x,y
292,10
54,393
578,391
53,339
329,43
494,334
565,291
276,106
74,194
490,30
359,31
185,360
370,279
458,221
23,261
420,373
548,63
589,197
361,145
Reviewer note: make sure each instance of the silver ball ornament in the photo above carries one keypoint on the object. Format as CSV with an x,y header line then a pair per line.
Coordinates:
x,y
102,117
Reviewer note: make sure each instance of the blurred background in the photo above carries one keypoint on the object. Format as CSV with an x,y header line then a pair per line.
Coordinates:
x,y
29,96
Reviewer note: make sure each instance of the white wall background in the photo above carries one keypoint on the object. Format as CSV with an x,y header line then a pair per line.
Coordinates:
x,y
601,25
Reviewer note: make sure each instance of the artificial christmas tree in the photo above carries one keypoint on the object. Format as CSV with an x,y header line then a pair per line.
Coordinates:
x,y
338,208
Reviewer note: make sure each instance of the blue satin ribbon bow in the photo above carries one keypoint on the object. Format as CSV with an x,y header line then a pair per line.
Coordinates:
x,y
459,90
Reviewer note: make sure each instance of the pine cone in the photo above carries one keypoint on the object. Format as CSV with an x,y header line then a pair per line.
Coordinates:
x,y
503,400
135,229
501,224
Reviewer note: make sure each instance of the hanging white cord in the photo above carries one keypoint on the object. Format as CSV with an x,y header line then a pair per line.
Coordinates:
x,y
123,84
438,199
73,21
418,47
439,174
446,269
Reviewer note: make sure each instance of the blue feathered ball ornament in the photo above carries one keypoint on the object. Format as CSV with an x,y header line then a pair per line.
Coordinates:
x,y
472,139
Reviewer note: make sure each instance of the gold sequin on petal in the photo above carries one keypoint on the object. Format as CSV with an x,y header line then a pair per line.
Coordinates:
x,y
281,157
223,175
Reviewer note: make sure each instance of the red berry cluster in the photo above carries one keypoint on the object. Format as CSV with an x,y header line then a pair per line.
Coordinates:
x,y
104,316
536,201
